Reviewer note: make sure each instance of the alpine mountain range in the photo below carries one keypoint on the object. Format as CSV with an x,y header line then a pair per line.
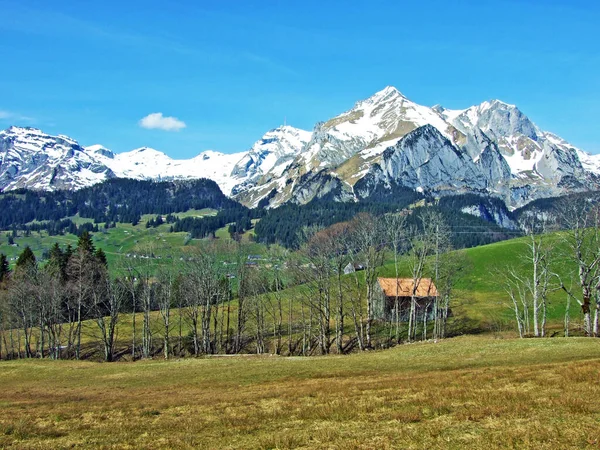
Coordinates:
x,y
384,141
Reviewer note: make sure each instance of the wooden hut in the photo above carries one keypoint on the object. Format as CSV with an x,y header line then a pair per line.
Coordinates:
x,y
424,293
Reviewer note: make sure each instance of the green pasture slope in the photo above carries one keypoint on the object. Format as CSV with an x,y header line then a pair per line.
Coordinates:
x,y
126,239
479,299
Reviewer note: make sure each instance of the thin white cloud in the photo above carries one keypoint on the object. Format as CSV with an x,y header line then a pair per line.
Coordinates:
x,y
9,115
156,121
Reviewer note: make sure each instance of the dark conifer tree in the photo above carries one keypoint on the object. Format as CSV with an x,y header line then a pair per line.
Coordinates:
x,y
86,244
4,267
101,257
26,262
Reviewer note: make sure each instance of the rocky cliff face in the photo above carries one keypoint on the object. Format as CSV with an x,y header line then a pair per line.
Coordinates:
x,y
32,159
382,142
490,148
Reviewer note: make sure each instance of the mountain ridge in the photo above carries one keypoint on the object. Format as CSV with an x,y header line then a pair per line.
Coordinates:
x,y
491,148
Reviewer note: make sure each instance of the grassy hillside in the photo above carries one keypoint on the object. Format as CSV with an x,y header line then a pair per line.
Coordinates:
x,y
473,392
125,243
480,296
479,302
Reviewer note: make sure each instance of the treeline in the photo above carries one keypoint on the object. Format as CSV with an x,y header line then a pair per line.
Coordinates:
x,y
283,225
239,216
551,205
300,303
117,200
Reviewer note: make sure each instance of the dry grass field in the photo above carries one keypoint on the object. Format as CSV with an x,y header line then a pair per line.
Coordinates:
x,y
466,392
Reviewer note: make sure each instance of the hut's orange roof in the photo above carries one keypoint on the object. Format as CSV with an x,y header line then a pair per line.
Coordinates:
x,y
405,287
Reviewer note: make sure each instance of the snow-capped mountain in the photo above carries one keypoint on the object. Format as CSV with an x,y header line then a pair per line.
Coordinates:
x,y
489,148
32,159
271,155
151,164
386,140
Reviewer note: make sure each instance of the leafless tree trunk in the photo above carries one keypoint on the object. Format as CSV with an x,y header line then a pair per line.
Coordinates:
x,y
567,315
107,300
147,300
130,282
516,289
165,302
369,241
203,285
243,289
421,246
80,273
583,239
316,271
356,311
22,295
396,233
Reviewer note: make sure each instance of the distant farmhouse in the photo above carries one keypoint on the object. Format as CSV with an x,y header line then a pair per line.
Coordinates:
x,y
387,289
353,267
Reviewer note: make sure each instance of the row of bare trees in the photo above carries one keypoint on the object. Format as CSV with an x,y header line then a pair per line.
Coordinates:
x,y
291,303
330,299
568,261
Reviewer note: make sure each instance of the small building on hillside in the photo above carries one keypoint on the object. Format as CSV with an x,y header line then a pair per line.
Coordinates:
x,y
353,267
387,289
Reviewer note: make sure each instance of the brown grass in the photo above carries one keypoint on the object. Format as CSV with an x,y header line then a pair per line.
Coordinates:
x,y
473,392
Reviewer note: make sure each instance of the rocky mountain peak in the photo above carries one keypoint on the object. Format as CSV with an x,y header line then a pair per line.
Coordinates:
x,y
491,148
386,95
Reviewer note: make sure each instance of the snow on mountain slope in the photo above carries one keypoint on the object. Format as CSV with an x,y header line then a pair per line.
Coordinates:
x,y
32,159
516,159
151,164
272,153
520,141
371,125
354,139
491,147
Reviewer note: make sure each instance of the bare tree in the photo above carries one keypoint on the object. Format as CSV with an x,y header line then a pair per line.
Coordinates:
x,y
81,271
421,246
147,285
203,289
131,283
23,297
440,237
108,298
582,220
165,303
396,233
516,288
452,265
275,270
243,290
317,271
369,241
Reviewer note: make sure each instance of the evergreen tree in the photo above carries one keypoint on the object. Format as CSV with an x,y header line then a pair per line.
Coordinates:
x,y
57,263
67,254
101,257
85,243
26,262
4,268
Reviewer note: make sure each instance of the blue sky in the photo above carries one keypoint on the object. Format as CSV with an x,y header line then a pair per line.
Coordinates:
x,y
230,71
